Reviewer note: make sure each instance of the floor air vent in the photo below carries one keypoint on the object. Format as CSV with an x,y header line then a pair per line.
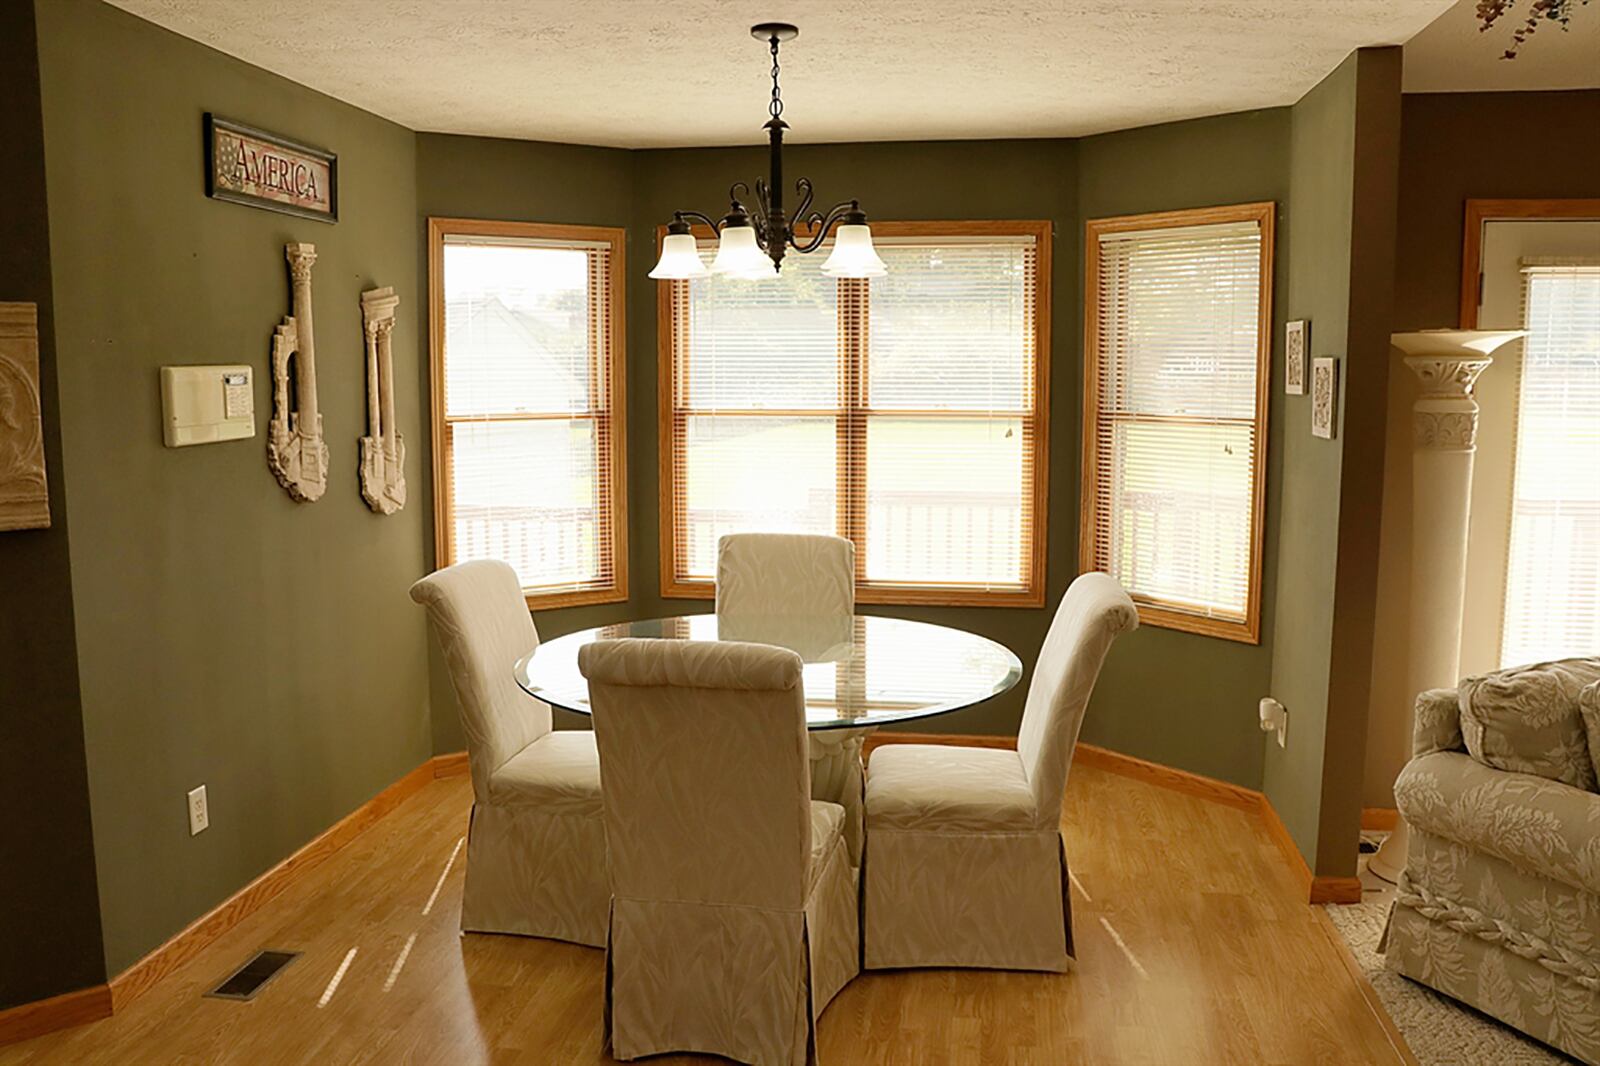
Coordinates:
x,y
249,979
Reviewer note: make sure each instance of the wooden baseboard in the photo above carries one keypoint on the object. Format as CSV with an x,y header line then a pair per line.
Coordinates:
x,y
450,765
1336,890
1383,819
58,1012
1210,788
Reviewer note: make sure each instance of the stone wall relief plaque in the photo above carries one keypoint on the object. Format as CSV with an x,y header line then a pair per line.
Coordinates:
x,y
383,451
296,452
24,494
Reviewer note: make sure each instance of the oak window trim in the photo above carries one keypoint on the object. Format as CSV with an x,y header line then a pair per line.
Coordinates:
x,y
1166,615
440,228
1479,212
1033,595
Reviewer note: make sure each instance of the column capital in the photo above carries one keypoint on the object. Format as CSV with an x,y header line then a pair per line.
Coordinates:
x,y
1448,375
301,257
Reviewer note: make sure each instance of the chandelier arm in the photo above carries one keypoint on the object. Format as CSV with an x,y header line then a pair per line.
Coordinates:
x,y
825,225
698,217
803,187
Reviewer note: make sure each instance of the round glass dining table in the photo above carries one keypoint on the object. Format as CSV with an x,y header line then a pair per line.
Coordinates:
x,y
859,673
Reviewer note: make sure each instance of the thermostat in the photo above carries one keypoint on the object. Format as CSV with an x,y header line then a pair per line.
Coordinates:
x,y
206,404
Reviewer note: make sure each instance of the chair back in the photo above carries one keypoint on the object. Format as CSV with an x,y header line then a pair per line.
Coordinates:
x,y
1093,613
478,611
705,770
785,575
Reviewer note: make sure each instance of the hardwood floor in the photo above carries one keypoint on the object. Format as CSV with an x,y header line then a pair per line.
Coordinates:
x,y
1194,946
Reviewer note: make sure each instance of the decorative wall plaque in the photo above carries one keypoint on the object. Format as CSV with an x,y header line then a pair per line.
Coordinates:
x,y
1324,396
245,165
296,452
1297,335
24,495
383,452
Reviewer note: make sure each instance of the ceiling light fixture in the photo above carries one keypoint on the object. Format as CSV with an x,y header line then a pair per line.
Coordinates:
x,y
753,246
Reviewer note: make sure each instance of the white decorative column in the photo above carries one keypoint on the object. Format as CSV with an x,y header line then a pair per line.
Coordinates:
x,y
296,452
383,452
1444,432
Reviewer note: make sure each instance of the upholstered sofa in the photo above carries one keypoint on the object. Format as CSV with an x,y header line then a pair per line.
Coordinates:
x,y
1499,904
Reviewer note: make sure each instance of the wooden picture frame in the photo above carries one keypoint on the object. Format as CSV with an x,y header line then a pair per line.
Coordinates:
x,y
254,167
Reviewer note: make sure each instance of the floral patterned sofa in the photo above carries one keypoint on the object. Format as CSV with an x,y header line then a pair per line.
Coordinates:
x,y
1499,904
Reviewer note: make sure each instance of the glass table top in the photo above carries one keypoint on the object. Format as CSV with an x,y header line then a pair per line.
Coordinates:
x,y
859,672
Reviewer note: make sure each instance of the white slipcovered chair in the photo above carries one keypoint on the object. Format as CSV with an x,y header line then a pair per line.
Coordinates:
x,y
784,575
536,845
734,906
965,862
775,587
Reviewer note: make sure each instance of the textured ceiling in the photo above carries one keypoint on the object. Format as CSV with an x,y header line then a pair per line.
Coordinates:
x,y
1451,55
686,72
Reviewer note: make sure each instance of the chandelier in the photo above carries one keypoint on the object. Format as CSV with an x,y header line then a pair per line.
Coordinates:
x,y
752,246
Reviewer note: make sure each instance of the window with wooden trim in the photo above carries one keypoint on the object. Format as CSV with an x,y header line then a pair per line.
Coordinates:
x,y
526,326
906,412
1552,607
1178,325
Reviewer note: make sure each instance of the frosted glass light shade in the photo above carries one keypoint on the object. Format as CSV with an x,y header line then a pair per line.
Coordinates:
x,y
853,255
739,254
679,259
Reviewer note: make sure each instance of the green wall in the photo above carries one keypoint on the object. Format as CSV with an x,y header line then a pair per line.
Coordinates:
x,y
226,634
1342,163
1178,698
49,915
521,181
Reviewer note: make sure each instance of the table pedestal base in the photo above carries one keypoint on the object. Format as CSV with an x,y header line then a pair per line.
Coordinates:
x,y
837,776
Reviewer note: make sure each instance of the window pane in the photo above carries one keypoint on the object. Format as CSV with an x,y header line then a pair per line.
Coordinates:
x,y
1177,444
1553,584
527,493
771,343
945,501
1179,498
517,329
951,327
767,474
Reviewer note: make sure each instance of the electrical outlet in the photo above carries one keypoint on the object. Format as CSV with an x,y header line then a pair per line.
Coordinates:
x,y
199,817
1275,719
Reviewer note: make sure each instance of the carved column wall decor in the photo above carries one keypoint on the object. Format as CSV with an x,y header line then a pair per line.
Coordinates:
x,y
383,452
1444,434
296,451
24,494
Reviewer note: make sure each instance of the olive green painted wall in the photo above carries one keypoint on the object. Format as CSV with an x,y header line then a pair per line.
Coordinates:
x,y
1178,698
522,181
1343,139
226,634
49,914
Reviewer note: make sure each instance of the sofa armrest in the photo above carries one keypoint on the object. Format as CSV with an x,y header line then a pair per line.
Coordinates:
x,y
1538,825
1436,723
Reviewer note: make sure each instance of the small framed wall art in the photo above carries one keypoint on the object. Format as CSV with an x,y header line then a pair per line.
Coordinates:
x,y
245,165
1296,337
1324,396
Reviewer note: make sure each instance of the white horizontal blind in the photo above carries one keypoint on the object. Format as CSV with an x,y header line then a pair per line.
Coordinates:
x,y
948,428
897,411
1553,578
1177,438
528,352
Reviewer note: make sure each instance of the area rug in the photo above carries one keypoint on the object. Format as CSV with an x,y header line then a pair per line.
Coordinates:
x,y
1440,1031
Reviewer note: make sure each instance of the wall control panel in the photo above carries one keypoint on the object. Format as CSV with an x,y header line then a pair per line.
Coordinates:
x,y
206,404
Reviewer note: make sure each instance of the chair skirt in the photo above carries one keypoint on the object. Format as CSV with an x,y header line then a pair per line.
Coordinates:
x,y
987,900
532,872
743,982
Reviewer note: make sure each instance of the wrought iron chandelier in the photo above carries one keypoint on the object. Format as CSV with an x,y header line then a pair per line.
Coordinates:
x,y
753,246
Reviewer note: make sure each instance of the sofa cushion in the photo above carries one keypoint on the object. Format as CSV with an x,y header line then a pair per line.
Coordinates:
x,y
1547,828
1589,710
1526,720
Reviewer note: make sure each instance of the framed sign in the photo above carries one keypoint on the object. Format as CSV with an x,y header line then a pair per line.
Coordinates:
x,y
245,165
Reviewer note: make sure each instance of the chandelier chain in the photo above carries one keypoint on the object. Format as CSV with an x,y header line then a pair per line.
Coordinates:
x,y
776,107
